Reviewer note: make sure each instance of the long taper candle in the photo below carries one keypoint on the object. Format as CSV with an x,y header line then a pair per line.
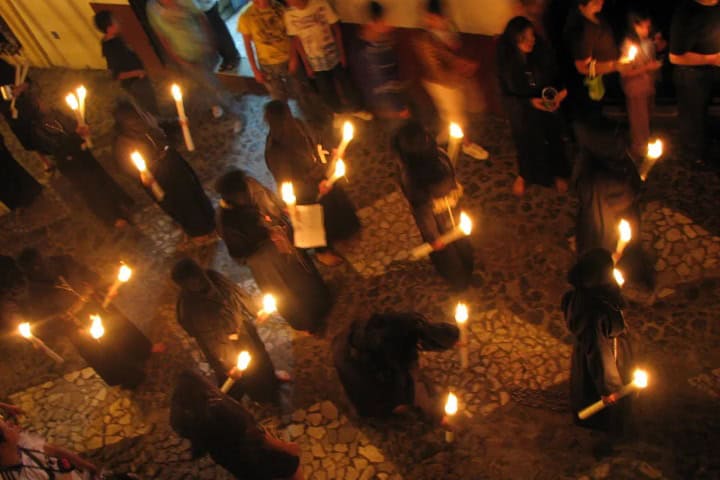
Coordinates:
x,y
242,364
26,332
182,118
451,408
463,229
461,318
146,176
454,142
640,381
123,276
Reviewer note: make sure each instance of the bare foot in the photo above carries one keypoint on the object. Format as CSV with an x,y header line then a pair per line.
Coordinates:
x,y
518,187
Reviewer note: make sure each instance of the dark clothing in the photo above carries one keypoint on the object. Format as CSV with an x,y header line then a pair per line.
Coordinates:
x,y
376,358
336,89
121,59
210,318
257,234
430,203
537,134
381,84
695,28
185,200
103,196
26,105
223,40
293,158
602,357
17,187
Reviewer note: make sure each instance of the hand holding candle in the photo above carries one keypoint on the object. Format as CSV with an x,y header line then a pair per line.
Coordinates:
x,y
74,105
461,318
463,229
455,141
451,408
26,332
640,381
182,118
97,330
124,274
146,176
654,152
242,364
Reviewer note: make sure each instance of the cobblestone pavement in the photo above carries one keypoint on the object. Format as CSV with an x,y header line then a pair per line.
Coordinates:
x,y
515,420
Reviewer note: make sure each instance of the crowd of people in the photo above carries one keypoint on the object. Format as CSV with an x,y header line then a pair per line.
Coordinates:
x,y
553,98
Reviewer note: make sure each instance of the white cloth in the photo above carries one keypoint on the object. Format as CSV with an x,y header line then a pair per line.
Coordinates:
x,y
313,26
30,469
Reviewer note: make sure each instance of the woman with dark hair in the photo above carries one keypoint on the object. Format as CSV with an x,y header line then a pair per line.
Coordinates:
x,y
252,223
602,357
428,181
377,362
291,156
182,196
532,94
219,426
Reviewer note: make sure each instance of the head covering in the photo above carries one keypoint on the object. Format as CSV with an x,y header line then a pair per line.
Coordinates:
x,y
233,188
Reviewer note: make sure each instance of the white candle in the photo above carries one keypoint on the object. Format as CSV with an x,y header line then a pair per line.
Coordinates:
x,y
287,193
455,141
461,318
97,330
619,277
269,306
451,408
348,135
74,105
640,381
654,152
182,118
124,274
624,237
146,175
26,332
463,229
242,364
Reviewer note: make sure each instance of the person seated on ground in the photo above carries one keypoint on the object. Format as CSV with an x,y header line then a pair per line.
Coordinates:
x,y
218,425
377,362
427,178
219,316
291,155
182,196
256,232
601,361
63,291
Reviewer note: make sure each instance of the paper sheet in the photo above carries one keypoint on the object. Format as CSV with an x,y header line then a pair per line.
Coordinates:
x,y
309,226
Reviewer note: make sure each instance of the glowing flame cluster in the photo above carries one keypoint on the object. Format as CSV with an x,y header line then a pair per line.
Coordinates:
x,y
451,405
348,131
625,230
25,330
287,192
269,305
72,101
176,92
138,161
619,278
632,53
243,360
640,378
465,223
97,330
456,131
655,149
340,169
461,313
124,273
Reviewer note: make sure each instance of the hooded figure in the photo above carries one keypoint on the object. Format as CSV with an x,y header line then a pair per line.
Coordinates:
x,y
184,199
377,362
428,181
256,232
219,426
602,356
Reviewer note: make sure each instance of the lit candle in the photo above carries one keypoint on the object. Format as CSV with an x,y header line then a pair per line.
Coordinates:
x,y
146,176
124,274
26,332
619,277
97,330
456,139
654,152
182,118
348,135
640,381
269,306
340,171
461,318
242,364
74,105
288,196
451,408
463,229
81,95
631,54
625,235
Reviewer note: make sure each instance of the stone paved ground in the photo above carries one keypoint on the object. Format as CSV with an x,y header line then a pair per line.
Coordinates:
x,y
515,422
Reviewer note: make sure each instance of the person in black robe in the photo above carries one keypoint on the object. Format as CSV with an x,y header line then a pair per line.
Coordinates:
x,y
601,360
17,187
220,426
59,135
527,74
184,199
377,362
256,232
219,316
291,156
62,291
427,179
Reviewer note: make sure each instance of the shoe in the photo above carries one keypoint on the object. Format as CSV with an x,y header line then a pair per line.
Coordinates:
x,y
363,115
518,187
475,151
217,111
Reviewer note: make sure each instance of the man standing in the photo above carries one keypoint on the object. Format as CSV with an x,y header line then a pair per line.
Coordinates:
x,y
224,42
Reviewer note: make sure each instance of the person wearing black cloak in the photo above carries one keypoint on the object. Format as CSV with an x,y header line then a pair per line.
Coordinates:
x,y
256,232
220,426
63,291
17,187
291,156
59,135
377,362
532,94
219,316
601,361
427,179
183,199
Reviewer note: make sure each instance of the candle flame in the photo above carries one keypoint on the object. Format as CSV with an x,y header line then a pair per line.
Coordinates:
x,y
348,131
465,223
176,92
640,378
243,360
97,330
340,168
461,313
24,329
655,149
124,273
632,53
288,193
625,230
139,161
81,93
456,131
72,101
619,278
451,406
269,304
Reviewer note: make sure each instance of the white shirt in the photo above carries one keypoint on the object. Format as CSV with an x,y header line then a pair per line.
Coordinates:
x,y
32,469
313,26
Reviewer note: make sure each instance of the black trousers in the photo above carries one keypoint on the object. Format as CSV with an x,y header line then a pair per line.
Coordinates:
x,y
225,42
142,91
336,89
694,86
